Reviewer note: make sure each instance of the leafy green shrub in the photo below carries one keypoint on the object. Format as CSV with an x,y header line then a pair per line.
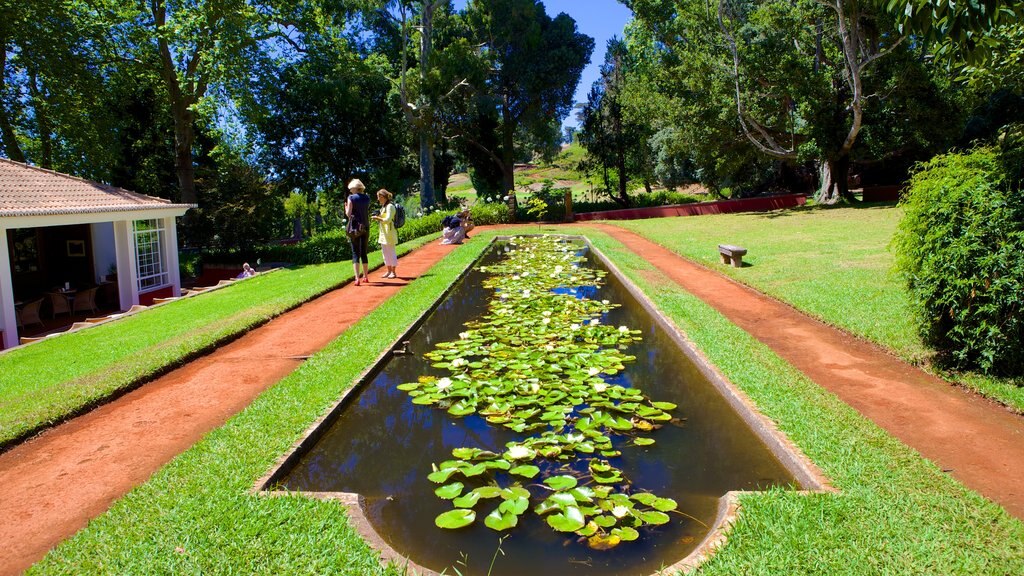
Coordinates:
x,y
960,245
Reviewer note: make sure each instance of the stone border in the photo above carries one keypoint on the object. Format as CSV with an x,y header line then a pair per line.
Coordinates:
x,y
810,478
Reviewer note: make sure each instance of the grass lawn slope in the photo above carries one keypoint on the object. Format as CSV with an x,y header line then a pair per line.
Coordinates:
x,y
832,263
896,514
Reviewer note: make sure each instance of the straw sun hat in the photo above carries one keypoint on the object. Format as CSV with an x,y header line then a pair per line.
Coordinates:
x,y
356,184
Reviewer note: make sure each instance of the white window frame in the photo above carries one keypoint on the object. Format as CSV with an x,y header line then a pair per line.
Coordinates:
x,y
150,239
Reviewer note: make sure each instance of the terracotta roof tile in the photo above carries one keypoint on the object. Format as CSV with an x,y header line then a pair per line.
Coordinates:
x,y
30,191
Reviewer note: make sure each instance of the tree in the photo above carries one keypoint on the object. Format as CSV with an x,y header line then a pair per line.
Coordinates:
x,y
803,76
51,87
446,63
615,131
536,65
199,47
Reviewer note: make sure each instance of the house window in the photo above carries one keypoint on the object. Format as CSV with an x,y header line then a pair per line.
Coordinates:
x,y
149,249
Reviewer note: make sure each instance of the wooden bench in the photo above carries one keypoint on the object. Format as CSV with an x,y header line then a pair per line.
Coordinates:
x,y
732,254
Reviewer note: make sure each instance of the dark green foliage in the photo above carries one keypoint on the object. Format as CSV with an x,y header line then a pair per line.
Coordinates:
x,y
960,245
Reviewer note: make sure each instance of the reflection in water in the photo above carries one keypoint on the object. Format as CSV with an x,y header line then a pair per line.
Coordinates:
x,y
382,447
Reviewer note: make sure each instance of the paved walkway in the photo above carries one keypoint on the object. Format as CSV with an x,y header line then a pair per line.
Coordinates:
x,y
978,441
53,484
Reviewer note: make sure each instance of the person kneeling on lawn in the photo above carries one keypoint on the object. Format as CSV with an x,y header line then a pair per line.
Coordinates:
x,y
456,228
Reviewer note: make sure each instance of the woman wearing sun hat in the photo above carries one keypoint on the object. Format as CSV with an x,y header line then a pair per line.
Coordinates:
x,y
388,236
357,210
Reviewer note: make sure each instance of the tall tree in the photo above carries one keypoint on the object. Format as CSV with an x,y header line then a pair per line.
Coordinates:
x,y
615,127
199,46
428,81
536,65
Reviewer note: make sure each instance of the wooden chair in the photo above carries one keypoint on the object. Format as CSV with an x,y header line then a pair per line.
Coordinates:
x,y
58,304
29,313
85,301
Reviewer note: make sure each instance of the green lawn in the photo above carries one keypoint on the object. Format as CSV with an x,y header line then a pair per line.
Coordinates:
x,y
896,512
833,263
48,381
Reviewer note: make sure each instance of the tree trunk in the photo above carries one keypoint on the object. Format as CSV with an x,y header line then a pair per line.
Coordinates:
x,y
834,179
426,124
43,125
184,136
7,134
426,170
508,153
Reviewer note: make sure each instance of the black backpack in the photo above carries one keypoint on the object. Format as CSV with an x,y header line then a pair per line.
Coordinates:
x,y
399,215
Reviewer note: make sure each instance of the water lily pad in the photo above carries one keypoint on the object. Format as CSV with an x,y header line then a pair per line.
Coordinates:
x,y
626,534
449,491
498,520
455,519
643,441
654,517
467,501
570,520
561,482
488,491
603,541
526,471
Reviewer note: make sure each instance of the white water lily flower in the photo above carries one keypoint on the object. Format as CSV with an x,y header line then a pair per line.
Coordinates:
x,y
558,269
574,327
546,321
546,313
620,511
518,452
526,293
444,383
593,371
549,347
605,302
463,335
515,276
535,387
459,362
623,329
600,386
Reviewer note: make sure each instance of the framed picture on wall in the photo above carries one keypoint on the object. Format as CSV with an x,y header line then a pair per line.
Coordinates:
x,y
76,248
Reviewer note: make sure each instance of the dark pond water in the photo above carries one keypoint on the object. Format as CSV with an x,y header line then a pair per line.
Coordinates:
x,y
382,447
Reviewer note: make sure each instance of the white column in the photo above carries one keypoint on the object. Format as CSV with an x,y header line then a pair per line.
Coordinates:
x,y
8,320
170,248
127,269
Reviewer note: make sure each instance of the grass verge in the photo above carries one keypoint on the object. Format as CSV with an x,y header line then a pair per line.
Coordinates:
x,y
832,263
57,378
897,513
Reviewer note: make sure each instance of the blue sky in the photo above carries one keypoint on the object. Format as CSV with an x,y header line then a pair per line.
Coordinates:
x,y
599,19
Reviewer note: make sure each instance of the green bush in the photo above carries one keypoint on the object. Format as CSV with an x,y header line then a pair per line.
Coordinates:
x,y
960,246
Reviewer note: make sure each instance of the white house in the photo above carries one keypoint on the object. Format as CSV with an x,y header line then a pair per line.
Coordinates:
x,y
56,229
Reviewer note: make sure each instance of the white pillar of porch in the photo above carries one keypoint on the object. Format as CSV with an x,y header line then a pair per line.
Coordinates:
x,y
8,320
171,254
127,269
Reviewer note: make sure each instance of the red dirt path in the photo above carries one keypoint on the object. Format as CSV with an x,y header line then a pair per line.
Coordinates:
x,y
978,441
53,484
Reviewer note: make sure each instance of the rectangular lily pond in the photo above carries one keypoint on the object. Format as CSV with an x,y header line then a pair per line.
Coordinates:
x,y
540,420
